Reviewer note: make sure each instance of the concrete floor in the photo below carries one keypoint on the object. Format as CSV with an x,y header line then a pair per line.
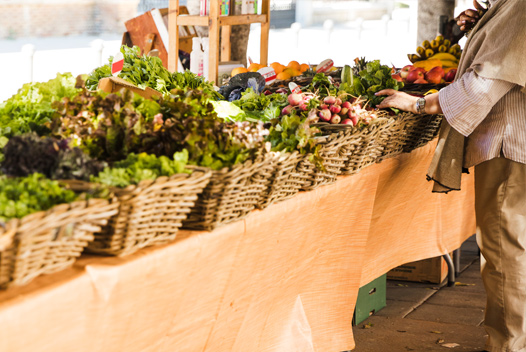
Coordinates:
x,y
429,317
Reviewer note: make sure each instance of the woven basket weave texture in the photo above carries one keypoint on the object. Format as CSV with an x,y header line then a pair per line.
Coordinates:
x,y
150,213
50,241
231,194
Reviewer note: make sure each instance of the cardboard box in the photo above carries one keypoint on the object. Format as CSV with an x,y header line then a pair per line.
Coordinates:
x,y
371,298
432,270
115,84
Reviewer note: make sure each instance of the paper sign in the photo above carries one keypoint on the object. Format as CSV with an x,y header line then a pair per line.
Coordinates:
x,y
268,73
294,88
117,64
325,66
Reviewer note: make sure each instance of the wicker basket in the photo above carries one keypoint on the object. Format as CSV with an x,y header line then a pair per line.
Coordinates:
x,y
285,180
395,137
421,129
231,194
363,147
150,213
49,241
332,161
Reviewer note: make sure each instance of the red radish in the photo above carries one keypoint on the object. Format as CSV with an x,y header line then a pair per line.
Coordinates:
x,y
267,92
338,101
307,98
282,91
329,100
295,99
303,106
325,115
324,106
344,111
336,119
287,110
348,122
354,117
335,109
346,105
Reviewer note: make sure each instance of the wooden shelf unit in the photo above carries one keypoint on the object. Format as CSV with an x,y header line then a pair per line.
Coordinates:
x,y
215,22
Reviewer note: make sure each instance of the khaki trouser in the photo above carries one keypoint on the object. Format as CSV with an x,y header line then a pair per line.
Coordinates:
x,y
500,204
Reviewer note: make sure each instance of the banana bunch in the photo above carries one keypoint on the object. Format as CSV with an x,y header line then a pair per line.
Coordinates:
x,y
438,49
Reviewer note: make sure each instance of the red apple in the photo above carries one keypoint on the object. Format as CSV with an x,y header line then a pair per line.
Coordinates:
x,y
420,81
412,76
405,70
421,69
450,75
435,75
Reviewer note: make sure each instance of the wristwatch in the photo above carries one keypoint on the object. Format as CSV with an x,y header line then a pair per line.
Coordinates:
x,y
421,105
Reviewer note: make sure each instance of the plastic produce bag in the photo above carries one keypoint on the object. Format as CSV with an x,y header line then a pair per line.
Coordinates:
x,y
239,83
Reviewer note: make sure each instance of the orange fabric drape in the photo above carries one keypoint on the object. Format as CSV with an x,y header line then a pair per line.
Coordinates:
x,y
283,279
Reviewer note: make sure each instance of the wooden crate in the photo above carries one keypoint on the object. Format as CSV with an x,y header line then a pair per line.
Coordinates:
x,y
149,31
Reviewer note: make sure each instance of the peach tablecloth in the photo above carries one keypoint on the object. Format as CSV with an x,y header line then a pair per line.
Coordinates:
x,y
284,279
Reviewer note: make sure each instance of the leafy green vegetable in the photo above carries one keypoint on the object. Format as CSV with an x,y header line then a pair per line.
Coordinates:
x,y
30,109
293,132
138,167
148,71
371,80
109,127
22,196
27,154
228,111
260,107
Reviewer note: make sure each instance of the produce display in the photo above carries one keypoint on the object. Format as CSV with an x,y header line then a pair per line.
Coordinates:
x,y
436,62
256,140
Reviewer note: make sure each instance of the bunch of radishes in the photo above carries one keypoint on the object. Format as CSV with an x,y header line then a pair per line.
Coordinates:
x,y
297,101
349,112
332,109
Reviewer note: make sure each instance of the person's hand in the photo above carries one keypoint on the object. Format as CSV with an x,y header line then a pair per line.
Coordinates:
x,y
397,100
467,19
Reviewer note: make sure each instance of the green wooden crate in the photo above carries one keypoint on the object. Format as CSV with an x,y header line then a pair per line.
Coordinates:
x,y
371,298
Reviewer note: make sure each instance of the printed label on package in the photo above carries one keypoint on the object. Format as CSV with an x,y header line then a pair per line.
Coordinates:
x,y
325,66
294,88
117,64
268,73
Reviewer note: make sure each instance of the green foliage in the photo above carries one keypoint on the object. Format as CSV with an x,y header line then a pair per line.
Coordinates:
x,y
27,154
260,107
109,127
148,71
321,85
293,132
22,196
371,80
138,167
30,108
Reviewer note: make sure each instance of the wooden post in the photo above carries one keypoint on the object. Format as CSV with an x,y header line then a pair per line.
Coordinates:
x,y
173,34
213,34
265,28
226,31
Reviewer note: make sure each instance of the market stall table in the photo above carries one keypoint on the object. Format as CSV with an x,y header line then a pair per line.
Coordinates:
x,y
283,279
